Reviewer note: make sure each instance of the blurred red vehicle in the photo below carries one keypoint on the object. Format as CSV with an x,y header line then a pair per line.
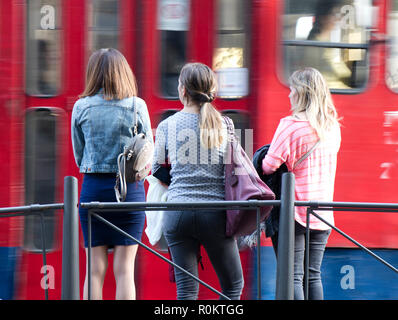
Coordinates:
x,y
253,46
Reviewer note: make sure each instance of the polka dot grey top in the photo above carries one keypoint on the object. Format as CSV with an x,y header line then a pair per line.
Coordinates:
x,y
197,173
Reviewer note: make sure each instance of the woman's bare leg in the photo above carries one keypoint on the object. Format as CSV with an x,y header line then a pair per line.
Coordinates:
x,y
123,268
99,264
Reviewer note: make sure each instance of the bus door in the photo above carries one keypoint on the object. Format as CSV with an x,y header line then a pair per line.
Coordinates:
x,y
176,32
44,143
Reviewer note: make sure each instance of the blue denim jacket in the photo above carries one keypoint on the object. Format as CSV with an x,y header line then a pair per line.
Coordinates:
x,y
101,128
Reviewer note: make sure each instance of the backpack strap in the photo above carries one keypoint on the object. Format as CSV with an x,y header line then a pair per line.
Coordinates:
x,y
135,117
121,178
121,164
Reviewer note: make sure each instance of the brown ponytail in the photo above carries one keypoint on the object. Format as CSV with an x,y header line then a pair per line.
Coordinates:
x,y
200,88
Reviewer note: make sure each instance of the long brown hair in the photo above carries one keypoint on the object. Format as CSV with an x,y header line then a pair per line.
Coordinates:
x,y
200,88
108,69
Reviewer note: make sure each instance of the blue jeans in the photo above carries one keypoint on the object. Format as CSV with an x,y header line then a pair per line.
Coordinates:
x,y
185,231
318,240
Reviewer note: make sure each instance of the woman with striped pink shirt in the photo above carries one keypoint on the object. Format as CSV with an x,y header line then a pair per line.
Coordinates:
x,y
313,127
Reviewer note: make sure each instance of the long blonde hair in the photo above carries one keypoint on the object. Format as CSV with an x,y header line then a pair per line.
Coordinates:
x,y
200,88
109,70
314,99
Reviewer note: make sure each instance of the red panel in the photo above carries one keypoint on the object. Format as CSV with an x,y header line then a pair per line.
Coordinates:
x,y
10,121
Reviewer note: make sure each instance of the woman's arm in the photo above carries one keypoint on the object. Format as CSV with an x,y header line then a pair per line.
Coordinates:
x,y
144,122
160,165
278,151
77,135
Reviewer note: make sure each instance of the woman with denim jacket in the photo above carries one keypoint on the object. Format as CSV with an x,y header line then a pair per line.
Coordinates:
x,y
102,124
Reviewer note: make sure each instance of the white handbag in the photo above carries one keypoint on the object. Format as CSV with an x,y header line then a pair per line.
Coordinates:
x,y
154,219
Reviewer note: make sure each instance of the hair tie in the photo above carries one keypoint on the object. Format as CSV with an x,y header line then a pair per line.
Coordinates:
x,y
211,96
200,96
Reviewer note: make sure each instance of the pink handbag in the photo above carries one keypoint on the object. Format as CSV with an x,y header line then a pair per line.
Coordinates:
x,y
243,183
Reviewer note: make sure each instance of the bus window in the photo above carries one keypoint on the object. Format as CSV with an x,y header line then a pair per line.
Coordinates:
x,y
41,132
173,25
392,60
103,24
331,36
43,47
231,56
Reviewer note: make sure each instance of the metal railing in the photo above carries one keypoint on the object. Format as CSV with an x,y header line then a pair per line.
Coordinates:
x,y
285,265
341,206
285,253
70,289
285,282
70,214
285,250
96,207
33,210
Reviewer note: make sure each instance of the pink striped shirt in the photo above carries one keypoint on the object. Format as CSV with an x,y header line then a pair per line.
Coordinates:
x,y
314,177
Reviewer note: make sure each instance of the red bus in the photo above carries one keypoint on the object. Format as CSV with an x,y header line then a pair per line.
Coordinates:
x,y
253,46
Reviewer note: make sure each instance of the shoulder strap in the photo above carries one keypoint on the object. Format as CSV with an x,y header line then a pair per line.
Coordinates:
x,y
306,155
230,126
121,164
135,117
121,178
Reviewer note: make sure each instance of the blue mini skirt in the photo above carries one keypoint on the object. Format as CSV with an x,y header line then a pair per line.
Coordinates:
x,y
100,187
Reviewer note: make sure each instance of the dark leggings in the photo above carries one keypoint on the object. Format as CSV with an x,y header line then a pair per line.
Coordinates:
x,y
318,240
185,231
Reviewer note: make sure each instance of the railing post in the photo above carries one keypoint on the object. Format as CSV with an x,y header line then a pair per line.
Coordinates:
x,y
285,254
70,242
258,255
